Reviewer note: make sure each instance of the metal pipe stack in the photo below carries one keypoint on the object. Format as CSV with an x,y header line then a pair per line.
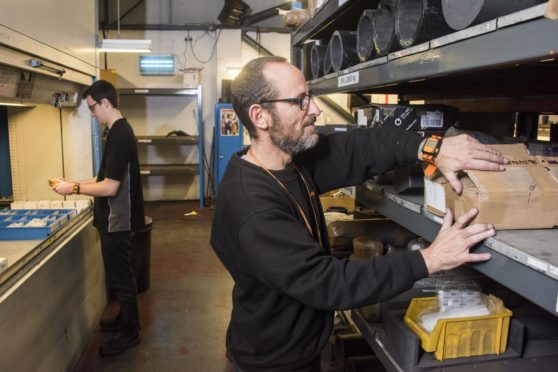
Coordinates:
x,y
417,21
460,14
317,56
327,59
365,46
342,50
383,30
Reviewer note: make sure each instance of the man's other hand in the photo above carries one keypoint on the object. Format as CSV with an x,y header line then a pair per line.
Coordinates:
x,y
451,247
464,152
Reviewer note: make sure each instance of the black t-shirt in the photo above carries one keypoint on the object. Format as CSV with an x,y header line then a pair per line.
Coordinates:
x,y
124,211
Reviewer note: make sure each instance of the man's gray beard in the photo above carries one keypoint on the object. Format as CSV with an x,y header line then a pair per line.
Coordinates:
x,y
289,145
293,147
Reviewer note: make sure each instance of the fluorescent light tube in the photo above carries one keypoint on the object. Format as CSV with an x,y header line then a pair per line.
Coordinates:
x,y
125,46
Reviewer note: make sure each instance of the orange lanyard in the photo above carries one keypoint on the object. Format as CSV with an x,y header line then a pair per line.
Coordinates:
x,y
293,199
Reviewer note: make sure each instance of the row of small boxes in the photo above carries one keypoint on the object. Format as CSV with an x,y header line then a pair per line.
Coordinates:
x,y
53,219
3,264
80,204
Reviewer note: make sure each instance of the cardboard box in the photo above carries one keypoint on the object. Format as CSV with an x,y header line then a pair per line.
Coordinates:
x,y
192,77
411,117
438,194
524,196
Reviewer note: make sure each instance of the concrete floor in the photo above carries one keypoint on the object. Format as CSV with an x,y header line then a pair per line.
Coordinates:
x,y
185,312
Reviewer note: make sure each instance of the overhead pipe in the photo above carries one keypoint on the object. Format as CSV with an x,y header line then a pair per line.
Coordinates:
x,y
343,50
417,21
365,46
383,31
460,14
265,14
254,44
317,56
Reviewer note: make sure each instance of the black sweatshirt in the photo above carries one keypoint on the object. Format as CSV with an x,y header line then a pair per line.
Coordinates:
x,y
287,285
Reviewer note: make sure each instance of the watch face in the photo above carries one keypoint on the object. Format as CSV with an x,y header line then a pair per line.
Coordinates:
x,y
431,142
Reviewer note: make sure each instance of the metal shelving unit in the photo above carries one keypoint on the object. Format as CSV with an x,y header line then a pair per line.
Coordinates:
x,y
509,62
499,57
167,140
168,169
529,254
535,352
174,169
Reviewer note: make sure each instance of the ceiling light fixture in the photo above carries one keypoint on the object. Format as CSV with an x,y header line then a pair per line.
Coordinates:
x,y
124,45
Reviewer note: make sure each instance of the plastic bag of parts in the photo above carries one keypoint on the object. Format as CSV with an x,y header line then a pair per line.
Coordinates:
x,y
295,17
460,300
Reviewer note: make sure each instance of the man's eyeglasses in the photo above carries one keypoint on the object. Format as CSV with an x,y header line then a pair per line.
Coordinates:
x,y
303,102
92,107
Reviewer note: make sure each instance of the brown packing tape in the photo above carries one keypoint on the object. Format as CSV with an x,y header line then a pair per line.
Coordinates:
x,y
524,196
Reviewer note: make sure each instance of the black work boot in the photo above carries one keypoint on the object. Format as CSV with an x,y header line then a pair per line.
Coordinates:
x,y
112,325
119,343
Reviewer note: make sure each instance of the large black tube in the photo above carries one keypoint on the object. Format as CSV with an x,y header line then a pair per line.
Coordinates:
x,y
460,14
327,59
317,56
392,4
383,31
365,46
343,50
417,21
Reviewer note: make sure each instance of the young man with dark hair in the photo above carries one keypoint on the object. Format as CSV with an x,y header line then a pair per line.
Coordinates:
x,y
270,233
118,211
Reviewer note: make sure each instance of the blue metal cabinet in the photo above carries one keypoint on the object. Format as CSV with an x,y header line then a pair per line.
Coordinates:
x,y
228,138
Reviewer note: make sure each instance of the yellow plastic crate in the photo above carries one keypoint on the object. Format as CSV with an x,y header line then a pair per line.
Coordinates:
x,y
460,337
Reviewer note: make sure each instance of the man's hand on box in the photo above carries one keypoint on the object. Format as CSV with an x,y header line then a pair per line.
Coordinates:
x,y
451,247
63,187
464,152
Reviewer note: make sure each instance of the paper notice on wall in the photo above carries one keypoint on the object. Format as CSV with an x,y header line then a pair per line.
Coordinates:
x,y
435,195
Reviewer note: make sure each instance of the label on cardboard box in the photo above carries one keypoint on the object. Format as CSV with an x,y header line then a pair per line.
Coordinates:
x,y
434,195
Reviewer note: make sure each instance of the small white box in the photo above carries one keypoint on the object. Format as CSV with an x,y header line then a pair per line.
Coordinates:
x,y
69,204
56,204
3,264
17,205
43,204
30,204
192,77
82,204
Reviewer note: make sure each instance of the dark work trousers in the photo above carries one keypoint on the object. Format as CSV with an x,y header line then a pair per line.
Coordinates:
x,y
117,257
314,367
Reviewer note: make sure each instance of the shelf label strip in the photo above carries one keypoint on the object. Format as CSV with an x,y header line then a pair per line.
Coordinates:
x,y
349,79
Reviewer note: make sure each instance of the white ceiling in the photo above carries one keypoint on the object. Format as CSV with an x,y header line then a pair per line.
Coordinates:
x,y
180,12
